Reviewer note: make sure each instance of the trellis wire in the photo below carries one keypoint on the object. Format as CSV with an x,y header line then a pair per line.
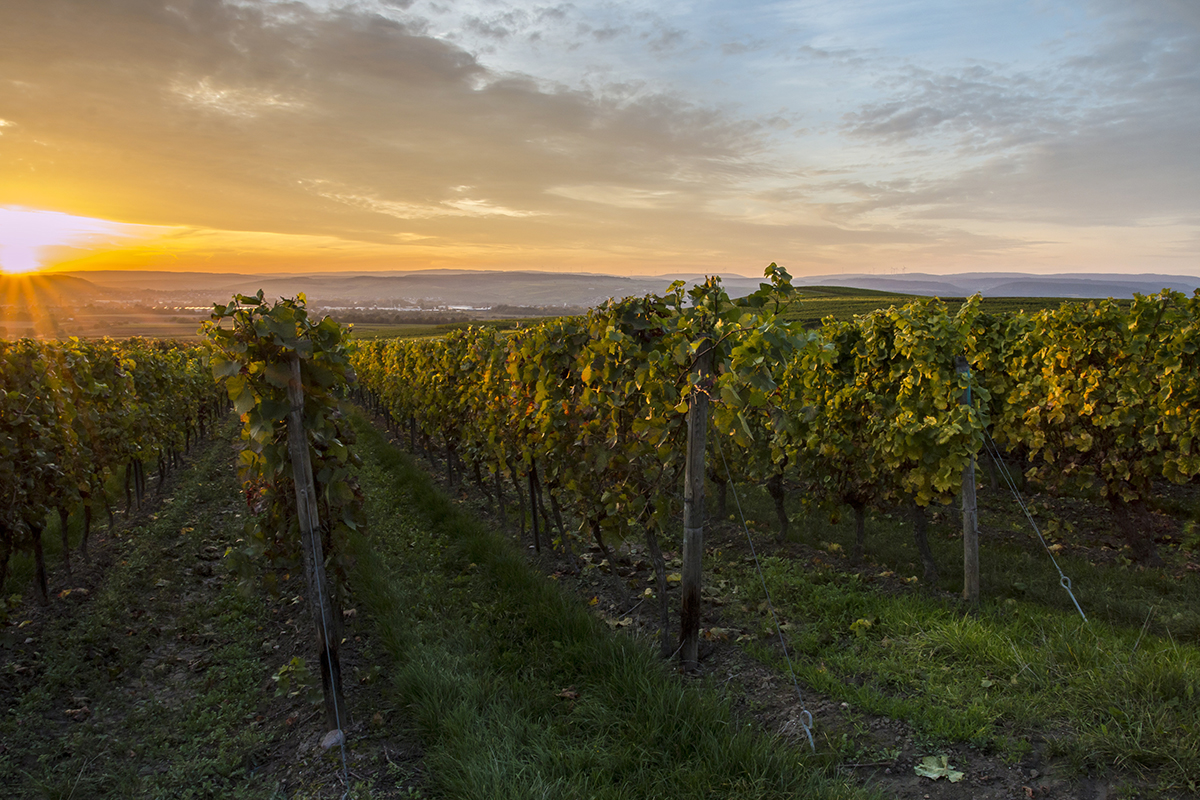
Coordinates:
x,y
993,450
806,719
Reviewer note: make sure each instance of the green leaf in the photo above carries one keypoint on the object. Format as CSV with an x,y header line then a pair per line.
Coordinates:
x,y
223,367
936,767
278,374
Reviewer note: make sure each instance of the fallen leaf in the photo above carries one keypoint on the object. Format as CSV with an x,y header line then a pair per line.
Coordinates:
x,y
718,633
935,767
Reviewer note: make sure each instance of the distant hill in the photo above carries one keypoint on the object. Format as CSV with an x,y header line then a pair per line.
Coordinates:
x,y
1016,284
485,289
40,290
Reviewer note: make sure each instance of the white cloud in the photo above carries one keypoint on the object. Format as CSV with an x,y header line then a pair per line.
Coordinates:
x,y
232,101
419,211
616,196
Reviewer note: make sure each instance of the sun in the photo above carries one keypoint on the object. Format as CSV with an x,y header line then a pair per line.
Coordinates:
x,y
15,260
26,235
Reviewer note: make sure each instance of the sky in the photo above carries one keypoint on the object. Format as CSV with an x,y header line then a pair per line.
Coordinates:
x,y
615,136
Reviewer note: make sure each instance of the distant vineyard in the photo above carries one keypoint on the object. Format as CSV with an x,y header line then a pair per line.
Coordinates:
x,y
813,306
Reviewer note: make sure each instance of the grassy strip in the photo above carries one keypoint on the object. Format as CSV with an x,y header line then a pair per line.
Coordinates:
x,y
149,685
1105,693
846,304
517,691
1016,569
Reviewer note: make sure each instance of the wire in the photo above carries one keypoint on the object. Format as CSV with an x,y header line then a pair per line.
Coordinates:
x,y
806,719
993,450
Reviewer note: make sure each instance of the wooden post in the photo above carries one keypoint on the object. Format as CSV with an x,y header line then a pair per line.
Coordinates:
x,y
693,510
39,559
970,511
537,541
314,559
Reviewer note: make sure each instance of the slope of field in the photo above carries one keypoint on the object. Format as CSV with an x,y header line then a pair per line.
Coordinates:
x,y
815,303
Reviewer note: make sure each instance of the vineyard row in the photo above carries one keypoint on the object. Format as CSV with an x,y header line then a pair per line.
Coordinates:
x,y
75,416
1099,399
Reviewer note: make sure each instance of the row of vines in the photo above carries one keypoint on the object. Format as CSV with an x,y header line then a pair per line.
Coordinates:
x,y
78,417
1100,399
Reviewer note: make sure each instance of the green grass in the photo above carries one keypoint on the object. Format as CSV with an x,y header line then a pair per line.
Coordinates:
x,y
1118,691
844,304
517,691
850,291
387,330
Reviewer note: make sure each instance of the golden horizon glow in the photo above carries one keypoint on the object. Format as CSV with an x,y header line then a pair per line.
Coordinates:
x,y
270,137
27,237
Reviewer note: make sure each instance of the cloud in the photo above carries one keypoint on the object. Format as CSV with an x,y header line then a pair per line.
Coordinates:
x,y
463,207
977,107
235,102
1102,137
664,39
616,196
741,48
225,115
615,131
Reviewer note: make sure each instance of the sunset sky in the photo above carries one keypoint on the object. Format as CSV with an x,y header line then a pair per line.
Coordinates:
x,y
617,136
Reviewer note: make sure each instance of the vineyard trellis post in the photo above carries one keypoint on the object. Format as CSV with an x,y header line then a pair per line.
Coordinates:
x,y
311,550
970,510
693,507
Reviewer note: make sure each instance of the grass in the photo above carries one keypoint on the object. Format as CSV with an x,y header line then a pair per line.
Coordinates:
x,y
387,330
136,689
812,306
1118,691
517,691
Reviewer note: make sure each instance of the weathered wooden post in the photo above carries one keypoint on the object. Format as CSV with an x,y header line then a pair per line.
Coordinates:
x,y
693,508
314,559
970,511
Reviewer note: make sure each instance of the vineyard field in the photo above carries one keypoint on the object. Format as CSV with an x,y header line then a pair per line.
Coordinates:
x,y
488,605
